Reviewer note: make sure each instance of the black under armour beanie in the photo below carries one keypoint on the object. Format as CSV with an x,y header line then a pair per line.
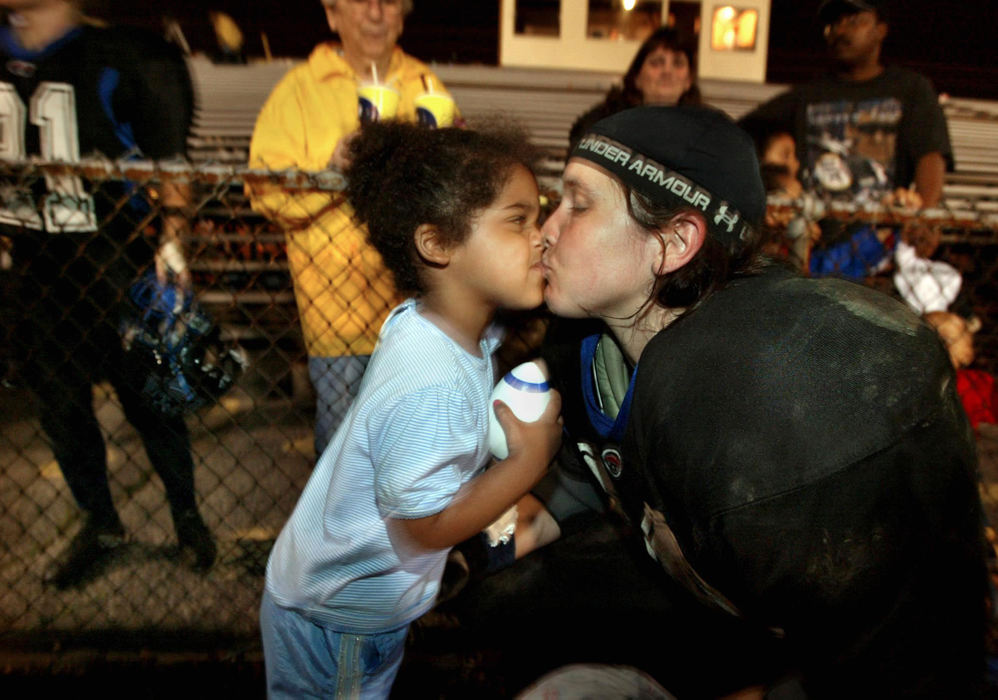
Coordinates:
x,y
676,156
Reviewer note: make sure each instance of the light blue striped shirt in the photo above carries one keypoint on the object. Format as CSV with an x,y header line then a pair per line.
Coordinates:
x,y
415,434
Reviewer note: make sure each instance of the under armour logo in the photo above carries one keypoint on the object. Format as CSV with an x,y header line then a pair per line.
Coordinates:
x,y
728,218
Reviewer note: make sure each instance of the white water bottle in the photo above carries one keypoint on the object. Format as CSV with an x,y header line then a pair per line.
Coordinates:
x,y
526,391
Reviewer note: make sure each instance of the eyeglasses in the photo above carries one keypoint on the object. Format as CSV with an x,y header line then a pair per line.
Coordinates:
x,y
386,5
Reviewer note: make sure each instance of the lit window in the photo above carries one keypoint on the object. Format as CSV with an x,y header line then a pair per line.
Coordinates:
x,y
733,29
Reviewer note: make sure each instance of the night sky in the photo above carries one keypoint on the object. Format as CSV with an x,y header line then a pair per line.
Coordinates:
x,y
954,43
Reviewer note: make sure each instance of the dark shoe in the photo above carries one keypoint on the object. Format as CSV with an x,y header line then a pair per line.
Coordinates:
x,y
195,545
87,554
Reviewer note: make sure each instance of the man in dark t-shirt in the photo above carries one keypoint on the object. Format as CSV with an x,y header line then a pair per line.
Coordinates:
x,y
69,89
866,135
865,132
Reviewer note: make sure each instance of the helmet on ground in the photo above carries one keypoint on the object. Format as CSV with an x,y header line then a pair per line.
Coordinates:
x,y
174,352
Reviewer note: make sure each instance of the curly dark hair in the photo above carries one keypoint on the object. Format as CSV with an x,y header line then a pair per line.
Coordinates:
x,y
403,175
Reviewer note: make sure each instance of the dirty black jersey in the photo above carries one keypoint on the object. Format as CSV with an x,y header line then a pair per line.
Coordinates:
x,y
800,445
796,456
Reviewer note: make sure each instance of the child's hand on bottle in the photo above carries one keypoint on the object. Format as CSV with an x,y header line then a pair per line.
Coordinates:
x,y
535,442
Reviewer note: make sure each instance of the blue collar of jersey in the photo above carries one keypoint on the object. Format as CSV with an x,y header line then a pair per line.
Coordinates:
x,y
608,428
10,45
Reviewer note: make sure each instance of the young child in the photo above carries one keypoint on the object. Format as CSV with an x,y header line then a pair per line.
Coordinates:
x,y
454,214
790,234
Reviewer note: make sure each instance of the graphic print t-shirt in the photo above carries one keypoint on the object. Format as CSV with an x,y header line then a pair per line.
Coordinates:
x,y
851,147
858,140
863,140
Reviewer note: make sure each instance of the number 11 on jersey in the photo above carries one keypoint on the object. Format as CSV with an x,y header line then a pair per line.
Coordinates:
x,y
67,206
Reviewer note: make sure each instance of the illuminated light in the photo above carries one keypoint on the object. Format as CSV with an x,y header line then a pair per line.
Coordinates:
x,y
745,29
733,29
629,5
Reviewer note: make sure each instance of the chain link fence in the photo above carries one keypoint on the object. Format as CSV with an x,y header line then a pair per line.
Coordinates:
x,y
253,449
942,259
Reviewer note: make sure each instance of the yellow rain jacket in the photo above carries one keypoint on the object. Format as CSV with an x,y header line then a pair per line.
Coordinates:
x,y
343,290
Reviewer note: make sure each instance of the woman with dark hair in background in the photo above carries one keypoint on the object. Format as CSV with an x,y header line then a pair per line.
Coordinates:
x,y
663,72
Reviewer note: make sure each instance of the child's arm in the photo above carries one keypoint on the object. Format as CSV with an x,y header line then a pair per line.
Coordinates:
x,y
532,446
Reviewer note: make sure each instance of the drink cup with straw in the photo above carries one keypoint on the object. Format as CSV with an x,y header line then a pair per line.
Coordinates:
x,y
376,101
434,109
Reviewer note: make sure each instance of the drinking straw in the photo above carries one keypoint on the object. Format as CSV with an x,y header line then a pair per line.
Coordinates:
x,y
422,76
374,71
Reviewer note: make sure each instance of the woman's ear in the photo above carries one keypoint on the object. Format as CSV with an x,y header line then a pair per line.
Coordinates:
x,y
681,239
431,246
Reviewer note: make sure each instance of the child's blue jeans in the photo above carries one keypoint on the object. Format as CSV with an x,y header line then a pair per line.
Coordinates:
x,y
306,660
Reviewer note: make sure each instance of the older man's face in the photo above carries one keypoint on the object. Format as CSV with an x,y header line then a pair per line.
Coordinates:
x,y
368,28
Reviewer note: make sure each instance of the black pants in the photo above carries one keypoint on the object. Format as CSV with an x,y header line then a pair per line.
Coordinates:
x,y
62,361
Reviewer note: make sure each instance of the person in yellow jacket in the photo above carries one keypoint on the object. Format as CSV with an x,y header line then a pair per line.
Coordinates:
x,y
343,291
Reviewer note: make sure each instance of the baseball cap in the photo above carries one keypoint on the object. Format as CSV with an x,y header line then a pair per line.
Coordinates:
x,y
683,156
833,9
